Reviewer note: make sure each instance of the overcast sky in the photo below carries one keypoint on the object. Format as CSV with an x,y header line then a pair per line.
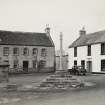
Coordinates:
x,y
67,16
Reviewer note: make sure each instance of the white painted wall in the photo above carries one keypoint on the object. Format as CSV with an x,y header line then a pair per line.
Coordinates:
x,y
71,58
81,55
95,57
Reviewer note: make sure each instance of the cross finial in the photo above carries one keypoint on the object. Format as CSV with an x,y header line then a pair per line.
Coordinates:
x,y
61,33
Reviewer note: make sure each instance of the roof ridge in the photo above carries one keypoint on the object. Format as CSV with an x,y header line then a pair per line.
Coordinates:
x,y
22,32
24,38
91,38
95,32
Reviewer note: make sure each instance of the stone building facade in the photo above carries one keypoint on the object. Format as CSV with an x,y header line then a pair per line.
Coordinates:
x,y
28,51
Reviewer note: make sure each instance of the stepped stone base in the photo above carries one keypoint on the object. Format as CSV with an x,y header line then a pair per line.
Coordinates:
x,y
60,80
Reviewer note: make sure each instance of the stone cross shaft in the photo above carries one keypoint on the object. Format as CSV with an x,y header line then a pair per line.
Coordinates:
x,y
61,52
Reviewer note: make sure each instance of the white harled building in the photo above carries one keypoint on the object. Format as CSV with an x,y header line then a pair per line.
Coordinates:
x,y
89,51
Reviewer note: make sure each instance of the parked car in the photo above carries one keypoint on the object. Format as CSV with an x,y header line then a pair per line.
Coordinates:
x,y
78,70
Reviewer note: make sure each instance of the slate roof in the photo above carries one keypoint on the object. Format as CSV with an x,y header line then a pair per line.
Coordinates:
x,y
88,39
25,38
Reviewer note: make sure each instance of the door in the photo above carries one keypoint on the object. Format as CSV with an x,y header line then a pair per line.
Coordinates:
x,y
89,66
25,66
35,65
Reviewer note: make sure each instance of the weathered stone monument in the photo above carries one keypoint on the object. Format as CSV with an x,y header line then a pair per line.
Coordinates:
x,y
61,71
61,79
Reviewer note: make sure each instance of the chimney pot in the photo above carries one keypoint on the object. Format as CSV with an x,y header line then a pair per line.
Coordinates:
x,y
47,29
82,32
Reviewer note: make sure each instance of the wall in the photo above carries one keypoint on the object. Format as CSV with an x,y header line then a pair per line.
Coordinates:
x,y
96,58
82,55
49,58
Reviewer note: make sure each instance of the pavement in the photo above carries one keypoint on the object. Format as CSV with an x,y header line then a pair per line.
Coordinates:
x,y
93,94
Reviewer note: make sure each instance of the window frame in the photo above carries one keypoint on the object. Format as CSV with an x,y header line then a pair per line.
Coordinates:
x,y
102,48
6,51
89,50
43,52
16,51
83,63
25,51
75,51
42,64
35,51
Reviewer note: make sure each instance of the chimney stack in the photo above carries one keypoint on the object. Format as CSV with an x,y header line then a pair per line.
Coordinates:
x,y
47,29
82,32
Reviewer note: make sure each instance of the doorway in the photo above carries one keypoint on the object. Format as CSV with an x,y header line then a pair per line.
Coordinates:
x,y
25,66
35,65
89,66
102,65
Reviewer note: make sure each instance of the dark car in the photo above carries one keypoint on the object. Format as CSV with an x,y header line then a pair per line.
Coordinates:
x,y
78,70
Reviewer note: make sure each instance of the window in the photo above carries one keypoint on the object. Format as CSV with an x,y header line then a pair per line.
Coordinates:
x,y
102,65
75,63
102,48
6,61
89,50
6,51
43,52
16,51
83,63
42,64
75,51
35,51
25,51
15,63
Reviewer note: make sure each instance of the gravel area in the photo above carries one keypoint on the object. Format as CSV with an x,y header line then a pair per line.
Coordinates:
x,y
93,94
